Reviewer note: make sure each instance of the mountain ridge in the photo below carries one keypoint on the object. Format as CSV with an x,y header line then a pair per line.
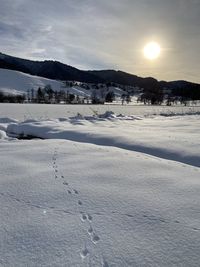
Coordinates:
x,y
56,70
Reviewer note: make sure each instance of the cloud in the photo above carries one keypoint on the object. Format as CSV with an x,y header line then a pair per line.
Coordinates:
x,y
102,34
7,29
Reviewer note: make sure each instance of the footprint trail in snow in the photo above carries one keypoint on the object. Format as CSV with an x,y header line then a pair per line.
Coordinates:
x,y
85,217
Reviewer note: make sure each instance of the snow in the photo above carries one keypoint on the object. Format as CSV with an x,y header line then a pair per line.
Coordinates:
x,y
48,111
15,82
19,82
117,91
76,90
103,190
151,136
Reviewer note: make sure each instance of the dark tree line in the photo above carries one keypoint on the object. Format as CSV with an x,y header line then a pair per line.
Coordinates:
x,y
48,96
11,98
152,95
191,92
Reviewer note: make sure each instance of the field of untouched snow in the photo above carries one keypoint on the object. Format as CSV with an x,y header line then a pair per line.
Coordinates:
x,y
45,111
101,191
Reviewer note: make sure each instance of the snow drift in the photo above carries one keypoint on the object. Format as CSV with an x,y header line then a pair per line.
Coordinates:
x,y
167,138
103,191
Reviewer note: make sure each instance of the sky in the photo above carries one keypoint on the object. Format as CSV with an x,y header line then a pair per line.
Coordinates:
x,y
106,34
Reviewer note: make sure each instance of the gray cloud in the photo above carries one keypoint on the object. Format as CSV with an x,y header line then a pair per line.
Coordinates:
x,y
94,34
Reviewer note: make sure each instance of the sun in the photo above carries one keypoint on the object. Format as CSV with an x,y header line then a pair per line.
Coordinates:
x,y
152,50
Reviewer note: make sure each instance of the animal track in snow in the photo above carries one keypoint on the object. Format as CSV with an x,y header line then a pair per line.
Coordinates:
x,y
83,217
84,253
80,203
90,230
95,238
75,191
89,217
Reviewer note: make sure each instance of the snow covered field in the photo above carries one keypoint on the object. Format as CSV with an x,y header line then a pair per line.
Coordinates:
x,y
99,191
41,111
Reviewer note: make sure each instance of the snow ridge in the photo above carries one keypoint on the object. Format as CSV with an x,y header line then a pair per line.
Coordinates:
x,y
91,130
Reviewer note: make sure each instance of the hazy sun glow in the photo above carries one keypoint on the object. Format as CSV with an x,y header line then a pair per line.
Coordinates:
x,y
152,50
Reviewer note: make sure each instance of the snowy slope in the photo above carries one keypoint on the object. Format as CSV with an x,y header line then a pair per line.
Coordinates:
x,y
15,81
76,90
117,91
101,192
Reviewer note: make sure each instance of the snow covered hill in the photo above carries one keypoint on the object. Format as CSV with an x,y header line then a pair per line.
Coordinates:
x,y
15,82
